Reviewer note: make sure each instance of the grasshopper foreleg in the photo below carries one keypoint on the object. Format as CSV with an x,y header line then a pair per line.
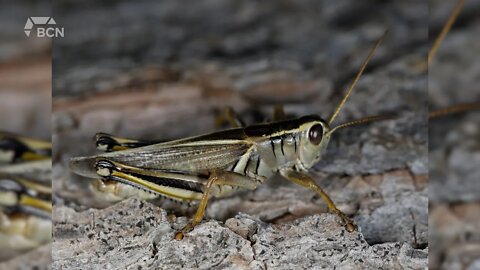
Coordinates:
x,y
308,182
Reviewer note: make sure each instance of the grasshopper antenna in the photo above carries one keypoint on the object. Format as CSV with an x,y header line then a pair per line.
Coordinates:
x,y
445,29
362,121
431,54
357,77
454,109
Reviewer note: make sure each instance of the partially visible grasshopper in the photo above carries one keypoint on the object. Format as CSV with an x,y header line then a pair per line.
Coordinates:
x,y
14,148
25,193
219,163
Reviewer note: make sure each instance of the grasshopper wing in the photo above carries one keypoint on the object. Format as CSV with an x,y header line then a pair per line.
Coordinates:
x,y
198,154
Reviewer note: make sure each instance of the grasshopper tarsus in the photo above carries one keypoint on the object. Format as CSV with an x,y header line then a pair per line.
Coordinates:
x,y
179,235
351,227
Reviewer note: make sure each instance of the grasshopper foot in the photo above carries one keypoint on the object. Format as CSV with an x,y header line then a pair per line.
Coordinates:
x,y
350,226
180,234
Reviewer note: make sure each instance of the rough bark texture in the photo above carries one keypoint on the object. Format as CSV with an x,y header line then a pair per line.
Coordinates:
x,y
39,259
454,145
113,238
159,70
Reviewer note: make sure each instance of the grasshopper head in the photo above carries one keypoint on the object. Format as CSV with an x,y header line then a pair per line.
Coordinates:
x,y
315,136
316,133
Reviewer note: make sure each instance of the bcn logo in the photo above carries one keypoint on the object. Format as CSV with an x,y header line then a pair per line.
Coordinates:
x,y
44,27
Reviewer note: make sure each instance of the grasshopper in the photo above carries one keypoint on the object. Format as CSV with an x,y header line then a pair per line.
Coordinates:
x,y
14,148
29,196
25,193
220,163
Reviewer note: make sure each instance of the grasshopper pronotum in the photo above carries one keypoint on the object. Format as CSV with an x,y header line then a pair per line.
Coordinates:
x,y
219,163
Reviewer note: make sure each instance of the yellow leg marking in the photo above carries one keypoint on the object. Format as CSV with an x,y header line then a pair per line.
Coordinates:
x,y
36,203
172,192
32,156
308,182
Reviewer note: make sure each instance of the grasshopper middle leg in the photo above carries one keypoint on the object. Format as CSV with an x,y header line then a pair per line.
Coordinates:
x,y
197,218
308,182
216,178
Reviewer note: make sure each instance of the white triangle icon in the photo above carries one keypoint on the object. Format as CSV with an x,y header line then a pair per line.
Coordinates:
x,y
27,32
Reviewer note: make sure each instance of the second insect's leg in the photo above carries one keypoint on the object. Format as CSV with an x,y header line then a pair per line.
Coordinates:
x,y
278,113
228,116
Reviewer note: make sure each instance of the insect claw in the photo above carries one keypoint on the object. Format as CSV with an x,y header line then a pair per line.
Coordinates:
x,y
179,235
349,224
350,227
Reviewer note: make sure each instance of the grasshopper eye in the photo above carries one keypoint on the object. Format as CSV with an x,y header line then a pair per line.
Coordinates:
x,y
315,134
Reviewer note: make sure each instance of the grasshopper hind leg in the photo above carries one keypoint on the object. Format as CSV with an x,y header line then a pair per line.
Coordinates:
x,y
176,185
308,182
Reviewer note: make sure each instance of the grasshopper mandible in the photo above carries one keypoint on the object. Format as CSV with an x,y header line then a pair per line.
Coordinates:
x,y
217,164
